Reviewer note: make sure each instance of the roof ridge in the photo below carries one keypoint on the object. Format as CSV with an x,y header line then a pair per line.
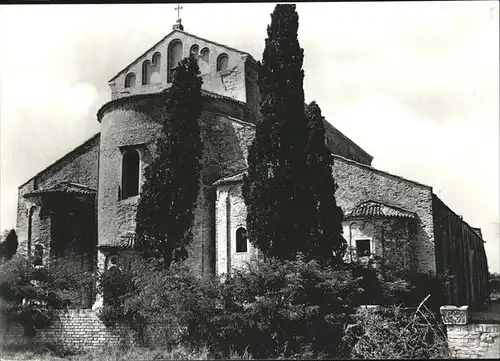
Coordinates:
x,y
372,168
85,143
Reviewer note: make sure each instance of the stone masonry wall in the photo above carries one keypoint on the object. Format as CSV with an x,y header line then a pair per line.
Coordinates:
x,y
76,330
78,166
230,82
359,183
470,340
231,214
473,341
396,251
134,122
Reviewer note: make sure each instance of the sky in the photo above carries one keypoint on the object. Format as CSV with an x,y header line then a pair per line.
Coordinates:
x,y
414,84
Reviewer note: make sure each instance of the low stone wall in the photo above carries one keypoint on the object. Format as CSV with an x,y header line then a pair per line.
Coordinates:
x,y
470,340
75,330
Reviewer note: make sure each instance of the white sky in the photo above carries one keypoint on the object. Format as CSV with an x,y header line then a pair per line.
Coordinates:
x,y
414,84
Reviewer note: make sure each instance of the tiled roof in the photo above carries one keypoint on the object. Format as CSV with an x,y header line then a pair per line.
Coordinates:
x,y
233,178
64,187
377,209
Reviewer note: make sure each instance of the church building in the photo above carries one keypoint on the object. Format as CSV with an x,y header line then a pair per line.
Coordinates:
x,y
86,201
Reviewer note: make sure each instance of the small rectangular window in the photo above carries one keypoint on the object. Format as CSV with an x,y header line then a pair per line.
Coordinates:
x,y
363,247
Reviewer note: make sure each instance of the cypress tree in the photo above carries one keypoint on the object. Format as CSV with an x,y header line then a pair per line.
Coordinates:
x,y
279,207
326,237
165,211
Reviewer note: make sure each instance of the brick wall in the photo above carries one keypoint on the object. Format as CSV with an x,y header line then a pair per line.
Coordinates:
x,y
75,329
470,340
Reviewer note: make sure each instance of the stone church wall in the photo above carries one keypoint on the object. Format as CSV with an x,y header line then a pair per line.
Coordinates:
x,y
231,214
359,183
134,122
78,166
390,239
230,82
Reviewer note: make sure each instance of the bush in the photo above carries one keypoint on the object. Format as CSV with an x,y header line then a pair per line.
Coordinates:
x,y
391,286
32,295
292,309
398,333
172,307
116,286
272,309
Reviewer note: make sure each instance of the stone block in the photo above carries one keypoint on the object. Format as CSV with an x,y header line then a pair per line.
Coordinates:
x,y
453,315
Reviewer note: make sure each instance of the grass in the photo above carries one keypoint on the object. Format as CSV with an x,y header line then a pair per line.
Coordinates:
x,y
53,353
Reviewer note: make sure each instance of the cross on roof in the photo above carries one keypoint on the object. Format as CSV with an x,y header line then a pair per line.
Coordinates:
x,y
178,8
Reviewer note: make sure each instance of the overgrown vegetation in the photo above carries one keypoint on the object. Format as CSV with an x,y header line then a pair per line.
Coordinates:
x,y
32,295
8,245
494,286
274,309
396,332
166,207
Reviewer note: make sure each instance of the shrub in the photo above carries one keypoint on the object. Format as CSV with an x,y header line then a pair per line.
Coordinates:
x,y
398,333
116,286
292,309
173,305
408,288
32,295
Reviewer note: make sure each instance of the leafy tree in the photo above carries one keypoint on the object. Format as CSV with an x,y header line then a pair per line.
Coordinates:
x,y
166,207
8,245
279,206
327,230
32,295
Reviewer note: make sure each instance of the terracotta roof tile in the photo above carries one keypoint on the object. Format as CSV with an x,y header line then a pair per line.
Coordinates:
x,y
377,209
64,187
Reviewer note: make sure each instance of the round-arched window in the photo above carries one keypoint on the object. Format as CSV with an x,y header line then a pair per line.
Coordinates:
x,y
241,240
146,72
130,80
174,56
222,62
205,55
195,51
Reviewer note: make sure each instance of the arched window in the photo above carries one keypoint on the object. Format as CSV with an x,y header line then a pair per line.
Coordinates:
x,y
146,72
155,75
195,51
222,62
174,56
130,80
241,239
38,255
205,55
156,61
130,173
